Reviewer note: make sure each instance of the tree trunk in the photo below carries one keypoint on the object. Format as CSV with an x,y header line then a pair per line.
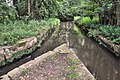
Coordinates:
x,y
115,16
17,11
33,8
118,11
29,4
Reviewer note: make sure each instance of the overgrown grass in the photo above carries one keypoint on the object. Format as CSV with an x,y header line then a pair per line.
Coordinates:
x,y
12,32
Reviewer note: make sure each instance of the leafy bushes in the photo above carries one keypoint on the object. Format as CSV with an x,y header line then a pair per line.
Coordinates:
x,y
94,29
111,33
6,13
12,32
117,40
87,20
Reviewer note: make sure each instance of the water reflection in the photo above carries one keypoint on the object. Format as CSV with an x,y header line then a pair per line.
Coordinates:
x,y
101,62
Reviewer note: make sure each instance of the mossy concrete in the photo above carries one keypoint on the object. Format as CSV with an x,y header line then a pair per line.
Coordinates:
x,y
82,72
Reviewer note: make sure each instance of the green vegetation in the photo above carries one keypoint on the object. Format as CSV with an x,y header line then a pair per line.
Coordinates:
x,y
77,30
18,55
25,18
94,29
6,13
14,31
36,28
87,20
99,18
111,33
76,18
72,76
28,18
92,33
38,9
25,71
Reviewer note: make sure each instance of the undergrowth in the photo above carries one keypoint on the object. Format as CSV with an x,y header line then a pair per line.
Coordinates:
x,y
94,29
11,32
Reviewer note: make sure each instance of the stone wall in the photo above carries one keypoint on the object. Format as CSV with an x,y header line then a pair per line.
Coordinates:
x,y
23,47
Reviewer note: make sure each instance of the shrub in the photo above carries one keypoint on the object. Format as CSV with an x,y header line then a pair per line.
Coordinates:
x,y
87,21
111,33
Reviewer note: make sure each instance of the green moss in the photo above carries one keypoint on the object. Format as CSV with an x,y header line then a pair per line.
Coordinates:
x,y
25,71
77,30
18,55
72,74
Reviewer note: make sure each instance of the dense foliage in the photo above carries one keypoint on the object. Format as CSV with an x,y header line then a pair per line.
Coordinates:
x,y
102,8
56,8
39,9
99,17
94,29
6,13
90,12
111,33
14,31
20,20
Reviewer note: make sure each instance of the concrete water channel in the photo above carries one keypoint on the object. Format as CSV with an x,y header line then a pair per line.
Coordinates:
x,y
100,61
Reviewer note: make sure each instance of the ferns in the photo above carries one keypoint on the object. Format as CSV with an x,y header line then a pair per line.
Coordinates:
x,y
12,32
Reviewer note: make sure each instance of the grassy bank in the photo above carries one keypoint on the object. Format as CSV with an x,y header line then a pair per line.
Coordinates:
x,y
11,32
110,32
